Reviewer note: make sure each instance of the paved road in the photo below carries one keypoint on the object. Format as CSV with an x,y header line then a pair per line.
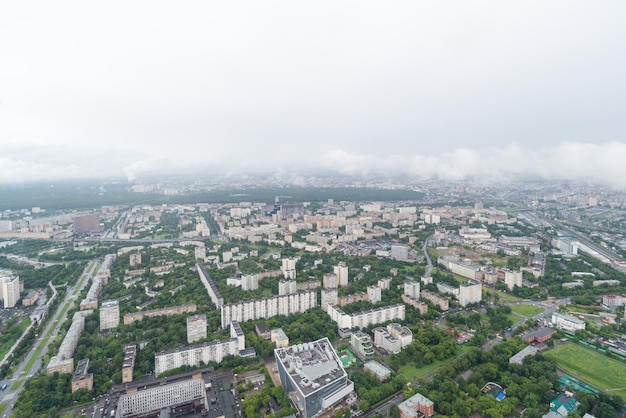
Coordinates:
x,y
21,373
382,409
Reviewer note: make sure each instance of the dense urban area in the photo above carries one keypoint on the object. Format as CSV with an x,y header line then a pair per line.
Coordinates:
x,y
251,297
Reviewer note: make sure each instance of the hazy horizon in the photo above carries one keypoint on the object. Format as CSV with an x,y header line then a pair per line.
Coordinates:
x,y
450,91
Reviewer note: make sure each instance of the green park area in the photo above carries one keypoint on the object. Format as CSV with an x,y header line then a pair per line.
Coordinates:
x,y
605,373
411,372
526,310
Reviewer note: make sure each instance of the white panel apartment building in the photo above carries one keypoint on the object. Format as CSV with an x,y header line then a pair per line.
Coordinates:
x,y
470,292
412,289
367,318
109,314
329,297
214,293
203,353
286,287
341,271
268,307
9,289
196,328
288,267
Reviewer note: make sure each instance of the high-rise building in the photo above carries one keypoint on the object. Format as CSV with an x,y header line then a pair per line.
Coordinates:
x,y
196,328
412,289
512,278
329,297
341,271
330,280
374,294
268,307
288,267
470,292
109,314
286,287
250,282
9,289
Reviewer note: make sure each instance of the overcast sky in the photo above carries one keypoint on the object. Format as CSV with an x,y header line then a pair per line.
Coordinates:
x,y
432,89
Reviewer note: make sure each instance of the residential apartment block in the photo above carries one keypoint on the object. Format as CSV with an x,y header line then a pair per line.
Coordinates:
x,y
268,307
367,318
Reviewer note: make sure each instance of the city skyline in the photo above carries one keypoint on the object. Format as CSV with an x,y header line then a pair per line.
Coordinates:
x,y
446,91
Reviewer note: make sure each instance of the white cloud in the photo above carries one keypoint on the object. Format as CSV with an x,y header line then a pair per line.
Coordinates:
x,y
569,160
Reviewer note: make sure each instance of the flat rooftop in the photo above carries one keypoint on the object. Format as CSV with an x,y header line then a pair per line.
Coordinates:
x,y
311,366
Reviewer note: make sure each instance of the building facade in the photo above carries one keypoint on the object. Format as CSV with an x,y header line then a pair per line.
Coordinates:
x,y
366,318
143,402
203,353
109,314
313,376
196,328
268,307
470,292
9,289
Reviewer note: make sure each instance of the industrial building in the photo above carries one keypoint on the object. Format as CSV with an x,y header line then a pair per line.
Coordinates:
x,y
312,376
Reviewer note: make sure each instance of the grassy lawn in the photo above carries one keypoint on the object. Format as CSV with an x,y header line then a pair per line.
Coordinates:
x,y
3,406
514,318
607,374
16,384
411,372
507,297
526,310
